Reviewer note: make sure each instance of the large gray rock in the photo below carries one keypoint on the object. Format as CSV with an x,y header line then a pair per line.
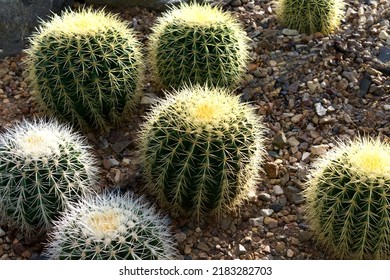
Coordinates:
x,y
19,18
158,5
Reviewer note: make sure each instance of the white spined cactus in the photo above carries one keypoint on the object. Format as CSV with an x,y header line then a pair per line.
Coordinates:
x,y
111,227
44,167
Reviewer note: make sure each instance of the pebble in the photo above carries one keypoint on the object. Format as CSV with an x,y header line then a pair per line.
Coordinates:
x,y
386,107
278,190
318,150
320,110
2,232
290,32
266,212
290,253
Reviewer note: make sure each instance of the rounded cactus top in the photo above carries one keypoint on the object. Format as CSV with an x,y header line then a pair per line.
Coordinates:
x,y
203,108
83,22
196,14
40,139
363,157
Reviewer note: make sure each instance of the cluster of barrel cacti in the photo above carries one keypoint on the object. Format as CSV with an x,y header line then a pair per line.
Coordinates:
x,y
201,147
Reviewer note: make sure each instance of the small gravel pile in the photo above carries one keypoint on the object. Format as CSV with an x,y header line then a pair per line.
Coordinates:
x,y
310,89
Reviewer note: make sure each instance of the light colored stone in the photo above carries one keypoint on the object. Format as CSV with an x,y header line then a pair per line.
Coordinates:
x,y
297,118
278,190
318,150
320,110
290,32
266,212
313,86
290,253
386,107
383,35
2,232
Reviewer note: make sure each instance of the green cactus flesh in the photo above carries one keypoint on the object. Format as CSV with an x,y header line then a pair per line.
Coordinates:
x,y
348,205
202,151
111,227
206,49
310,16
39,180
90,78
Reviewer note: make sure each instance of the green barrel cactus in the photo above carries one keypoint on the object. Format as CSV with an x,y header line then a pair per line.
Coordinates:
x,y
85,67
348,199
44,167
198,44
201,151
310,16
111,227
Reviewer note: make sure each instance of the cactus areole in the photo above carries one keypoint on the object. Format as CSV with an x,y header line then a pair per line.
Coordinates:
x,y
202,151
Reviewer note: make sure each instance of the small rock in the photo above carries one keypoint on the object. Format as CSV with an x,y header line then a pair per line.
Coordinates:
x,y
180,237
276,206
266,212
187,250
293,142
306,157
149,98
386,107
271,169
290,253
364,84
120,146
203,246
305,236
313,86
280,139
241,249
320,110
294,195
2,232
268,220
297,118
278,190
290,32
319,149
383,35
256,221
265,196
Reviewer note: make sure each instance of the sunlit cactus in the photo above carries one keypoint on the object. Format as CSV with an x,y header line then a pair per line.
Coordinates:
x,y
310,16
202,151
44,167
198,44
348,199
85,67
111,227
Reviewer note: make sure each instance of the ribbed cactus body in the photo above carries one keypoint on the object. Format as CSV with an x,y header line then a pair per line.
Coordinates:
x,y
349,200
310,16
86,67
198,44
43,168
111,227
202,150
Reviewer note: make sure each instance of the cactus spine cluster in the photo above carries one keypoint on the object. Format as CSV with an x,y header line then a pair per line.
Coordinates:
x,y
202,151
348,199
85,67
198,44
44,167
310,16
111,227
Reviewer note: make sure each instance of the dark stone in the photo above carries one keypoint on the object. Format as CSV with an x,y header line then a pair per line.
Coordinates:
x,y
276,206
19,18
364,85
158,5
384,54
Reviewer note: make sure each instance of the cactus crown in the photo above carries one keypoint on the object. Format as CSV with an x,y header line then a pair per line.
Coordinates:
x,y
111,226
197,15
84,22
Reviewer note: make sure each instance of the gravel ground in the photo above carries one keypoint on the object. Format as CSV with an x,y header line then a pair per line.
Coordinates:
x,y
310,91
